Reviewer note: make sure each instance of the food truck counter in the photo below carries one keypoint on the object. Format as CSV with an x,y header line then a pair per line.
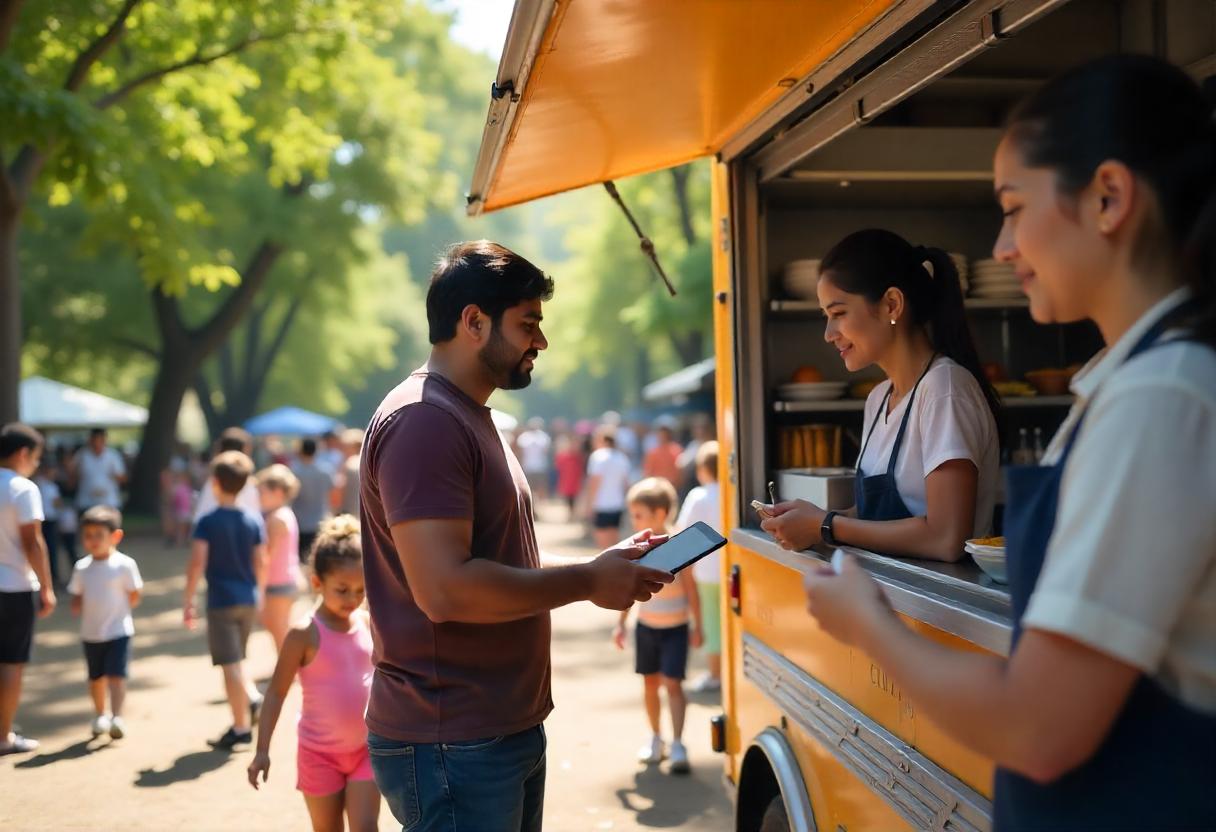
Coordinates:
x,y
956,598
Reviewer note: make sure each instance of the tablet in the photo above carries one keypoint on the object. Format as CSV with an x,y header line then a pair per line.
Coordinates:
x,y
683,549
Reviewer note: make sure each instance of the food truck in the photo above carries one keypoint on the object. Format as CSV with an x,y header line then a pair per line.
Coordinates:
x,y
822,117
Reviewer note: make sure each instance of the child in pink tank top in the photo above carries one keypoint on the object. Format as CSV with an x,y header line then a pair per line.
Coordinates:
x,y
332,655
277,487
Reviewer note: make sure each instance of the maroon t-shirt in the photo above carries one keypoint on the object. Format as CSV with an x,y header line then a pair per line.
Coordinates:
x,y
432,452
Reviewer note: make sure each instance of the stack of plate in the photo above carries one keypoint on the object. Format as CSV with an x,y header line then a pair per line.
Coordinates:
x,y
815,391
993,279
800,278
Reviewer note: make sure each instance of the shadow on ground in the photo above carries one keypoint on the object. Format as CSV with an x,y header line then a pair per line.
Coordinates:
x,y
673,799
186,767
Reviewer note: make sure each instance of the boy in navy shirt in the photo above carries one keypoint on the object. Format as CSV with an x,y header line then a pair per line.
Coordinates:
x,y
230,548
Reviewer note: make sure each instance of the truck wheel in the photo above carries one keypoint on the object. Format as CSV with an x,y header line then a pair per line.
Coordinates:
x,y
775,819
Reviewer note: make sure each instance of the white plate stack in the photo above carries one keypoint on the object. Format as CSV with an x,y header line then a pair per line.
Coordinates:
x,y
816,391
994,280
800,278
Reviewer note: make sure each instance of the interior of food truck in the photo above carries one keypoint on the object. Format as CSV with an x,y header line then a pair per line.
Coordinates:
x,y
922,168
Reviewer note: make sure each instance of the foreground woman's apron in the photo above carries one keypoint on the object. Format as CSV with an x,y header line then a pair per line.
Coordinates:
x,y
1156,770
877,497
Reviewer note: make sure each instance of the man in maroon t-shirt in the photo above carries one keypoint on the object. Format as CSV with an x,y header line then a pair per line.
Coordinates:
x,y
459,603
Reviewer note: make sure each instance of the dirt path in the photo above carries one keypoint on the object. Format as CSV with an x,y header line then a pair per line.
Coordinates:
x,y
164,777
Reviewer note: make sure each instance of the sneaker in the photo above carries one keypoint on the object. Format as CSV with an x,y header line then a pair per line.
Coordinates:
x,y
255,709
101,725
653,753
706,684
118,728
231,739
679,758
18,744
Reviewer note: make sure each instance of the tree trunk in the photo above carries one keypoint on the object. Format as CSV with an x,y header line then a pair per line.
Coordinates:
x,y
689,346
181,359
10,317
177,368
679,181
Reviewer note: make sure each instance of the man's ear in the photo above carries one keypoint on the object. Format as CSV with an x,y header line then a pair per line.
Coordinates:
x,y
475,322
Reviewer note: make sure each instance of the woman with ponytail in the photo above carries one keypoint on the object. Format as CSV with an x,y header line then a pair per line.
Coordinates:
x,y
927,472
1104,714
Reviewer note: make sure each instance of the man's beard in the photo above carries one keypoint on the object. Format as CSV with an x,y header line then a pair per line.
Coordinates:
x,y
504,364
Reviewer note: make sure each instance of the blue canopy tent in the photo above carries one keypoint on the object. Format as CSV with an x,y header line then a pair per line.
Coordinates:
x,y
291,421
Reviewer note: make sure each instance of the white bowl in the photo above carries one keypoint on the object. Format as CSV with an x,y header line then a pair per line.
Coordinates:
x,y
993,566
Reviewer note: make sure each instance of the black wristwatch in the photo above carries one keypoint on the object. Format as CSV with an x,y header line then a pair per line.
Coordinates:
x,y
825,529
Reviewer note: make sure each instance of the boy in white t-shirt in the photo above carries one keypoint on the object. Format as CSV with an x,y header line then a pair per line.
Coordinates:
x,y
26,589
704,504
105,586
608,472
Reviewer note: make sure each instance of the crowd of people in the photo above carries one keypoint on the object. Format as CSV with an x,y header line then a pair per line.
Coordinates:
x,y
259,537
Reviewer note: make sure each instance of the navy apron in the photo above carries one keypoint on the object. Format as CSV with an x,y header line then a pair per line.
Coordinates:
x,y
877,497
1156,770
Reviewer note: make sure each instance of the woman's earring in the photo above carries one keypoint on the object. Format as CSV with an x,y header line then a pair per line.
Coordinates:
x,y
892,322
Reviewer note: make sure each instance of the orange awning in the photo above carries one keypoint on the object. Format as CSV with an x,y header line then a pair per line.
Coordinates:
x,y
611,88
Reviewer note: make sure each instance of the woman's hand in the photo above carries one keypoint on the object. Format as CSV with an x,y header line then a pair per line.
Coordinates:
x,y
847,605
794,524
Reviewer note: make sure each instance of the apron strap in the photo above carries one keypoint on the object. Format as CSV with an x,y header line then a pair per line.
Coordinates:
x,y
881,407
903,424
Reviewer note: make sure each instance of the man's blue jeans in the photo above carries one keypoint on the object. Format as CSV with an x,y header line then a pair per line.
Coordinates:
x,y
491,785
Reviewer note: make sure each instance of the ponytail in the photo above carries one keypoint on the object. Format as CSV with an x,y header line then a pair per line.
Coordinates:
x,y
949,330
1199,257
1152,117
870,262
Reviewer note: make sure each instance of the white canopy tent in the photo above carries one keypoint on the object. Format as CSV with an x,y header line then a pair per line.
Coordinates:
x,y
53,405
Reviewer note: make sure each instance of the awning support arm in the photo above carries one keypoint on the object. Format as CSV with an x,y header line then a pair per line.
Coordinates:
x,y
645,242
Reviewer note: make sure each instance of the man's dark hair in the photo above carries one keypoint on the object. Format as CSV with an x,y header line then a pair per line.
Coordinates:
x,y
16,436
308,447
235,439
232,470
110,518
96,432
483,274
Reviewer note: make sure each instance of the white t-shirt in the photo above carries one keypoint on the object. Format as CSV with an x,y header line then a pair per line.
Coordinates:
x,y
20,505
105,588
612,467
98,473
950,420
49,489
704,504
1130,569
534,450
248,500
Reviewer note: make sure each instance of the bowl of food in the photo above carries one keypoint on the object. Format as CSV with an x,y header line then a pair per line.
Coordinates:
x,y
989,555
1050,381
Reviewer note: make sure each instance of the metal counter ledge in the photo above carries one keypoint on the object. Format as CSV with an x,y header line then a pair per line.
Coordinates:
x,y
956,598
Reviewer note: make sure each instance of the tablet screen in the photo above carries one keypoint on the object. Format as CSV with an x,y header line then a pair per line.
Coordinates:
x,y
683,549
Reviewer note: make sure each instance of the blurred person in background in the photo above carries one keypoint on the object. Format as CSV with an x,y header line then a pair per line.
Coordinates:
x,y
312,500
99,472
346,493
662,460
608,476
535,451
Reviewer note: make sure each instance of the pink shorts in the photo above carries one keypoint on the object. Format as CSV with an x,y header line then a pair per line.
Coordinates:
x,y
322,773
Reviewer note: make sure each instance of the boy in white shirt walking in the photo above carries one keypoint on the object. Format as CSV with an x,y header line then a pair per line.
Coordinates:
x,y
105,586
26,590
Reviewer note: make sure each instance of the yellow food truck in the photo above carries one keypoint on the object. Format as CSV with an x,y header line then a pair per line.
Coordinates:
x,y
822,117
